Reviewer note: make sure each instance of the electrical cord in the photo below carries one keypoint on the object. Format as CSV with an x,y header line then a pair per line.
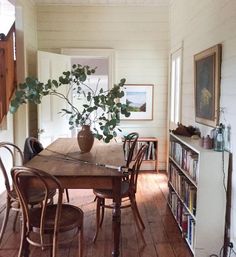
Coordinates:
x,y
223,170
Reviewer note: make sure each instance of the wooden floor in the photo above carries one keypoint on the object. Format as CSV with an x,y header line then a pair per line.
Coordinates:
x,y
162,236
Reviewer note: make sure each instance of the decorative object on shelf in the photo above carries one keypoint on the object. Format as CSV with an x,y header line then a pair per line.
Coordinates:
x,y
189,131
219,138
207,68
139,98
206,142
101,109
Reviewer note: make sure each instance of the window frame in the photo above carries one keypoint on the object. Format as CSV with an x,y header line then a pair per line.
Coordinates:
x,y
175,101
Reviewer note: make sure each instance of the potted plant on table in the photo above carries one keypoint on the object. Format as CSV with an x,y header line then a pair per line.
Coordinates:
x,y
100,111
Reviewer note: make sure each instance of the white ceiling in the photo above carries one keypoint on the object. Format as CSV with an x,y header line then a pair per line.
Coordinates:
x,y
104,2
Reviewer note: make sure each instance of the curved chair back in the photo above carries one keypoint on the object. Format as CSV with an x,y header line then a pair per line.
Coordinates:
x,y
129,146
136,168
13,154
45,183
32,147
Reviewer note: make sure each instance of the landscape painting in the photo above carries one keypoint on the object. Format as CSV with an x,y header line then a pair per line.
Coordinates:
x,y
139,98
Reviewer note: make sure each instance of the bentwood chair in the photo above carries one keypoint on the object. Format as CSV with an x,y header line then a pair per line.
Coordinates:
x,y
33,147
14,155
128,190
129,145
46,226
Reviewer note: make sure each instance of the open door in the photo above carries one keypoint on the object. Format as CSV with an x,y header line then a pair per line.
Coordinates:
x,y
51,123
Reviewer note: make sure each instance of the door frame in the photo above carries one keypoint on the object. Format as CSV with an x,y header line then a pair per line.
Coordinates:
x,y
108,53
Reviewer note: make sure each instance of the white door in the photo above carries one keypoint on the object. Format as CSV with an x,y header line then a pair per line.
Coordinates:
x,y
51,123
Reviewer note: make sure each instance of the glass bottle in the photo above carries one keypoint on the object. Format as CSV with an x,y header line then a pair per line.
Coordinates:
x,y
219,139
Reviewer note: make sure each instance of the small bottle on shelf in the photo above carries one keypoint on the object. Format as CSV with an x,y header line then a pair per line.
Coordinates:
x,y
219,138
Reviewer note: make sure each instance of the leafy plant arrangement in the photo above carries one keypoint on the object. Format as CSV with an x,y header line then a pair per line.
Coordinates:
x,y
101,107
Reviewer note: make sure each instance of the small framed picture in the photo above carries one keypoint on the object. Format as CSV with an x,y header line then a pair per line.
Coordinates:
x,y
139,97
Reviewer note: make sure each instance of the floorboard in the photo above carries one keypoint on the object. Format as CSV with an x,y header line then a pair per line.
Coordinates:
x,y
161,237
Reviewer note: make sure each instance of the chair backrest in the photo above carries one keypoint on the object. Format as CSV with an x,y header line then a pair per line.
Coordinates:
x,y
136,168
32,147
44,183
129,146
10,155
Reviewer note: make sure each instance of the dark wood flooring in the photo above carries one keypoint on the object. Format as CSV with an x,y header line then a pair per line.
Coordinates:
x,y
162,236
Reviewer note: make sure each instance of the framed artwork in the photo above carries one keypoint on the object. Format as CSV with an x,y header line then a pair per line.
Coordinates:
x,y
207,85
140,100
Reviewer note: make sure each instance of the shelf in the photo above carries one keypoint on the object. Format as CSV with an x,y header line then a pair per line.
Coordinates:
x,y
185,173
150,161
181,230
204,229
181,200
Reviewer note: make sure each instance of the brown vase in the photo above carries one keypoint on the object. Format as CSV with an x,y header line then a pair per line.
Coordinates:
x,y
85,139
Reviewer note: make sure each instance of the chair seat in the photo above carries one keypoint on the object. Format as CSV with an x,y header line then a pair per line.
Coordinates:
x,y
35,196
107,193
71,217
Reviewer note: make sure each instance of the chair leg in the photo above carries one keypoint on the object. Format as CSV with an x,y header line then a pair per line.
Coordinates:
x,y
81,239
16,216
99,200
103,211
136,211
54,247
67,196
4,223
24,245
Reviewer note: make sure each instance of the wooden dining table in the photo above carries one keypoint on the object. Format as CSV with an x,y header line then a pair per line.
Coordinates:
x,y
98,169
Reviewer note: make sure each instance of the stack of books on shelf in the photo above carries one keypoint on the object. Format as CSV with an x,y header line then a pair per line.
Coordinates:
x,y
188,228
150,152
185,158
190,162
185,191
189,196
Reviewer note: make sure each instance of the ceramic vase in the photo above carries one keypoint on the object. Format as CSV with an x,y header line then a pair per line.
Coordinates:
x,y
85,139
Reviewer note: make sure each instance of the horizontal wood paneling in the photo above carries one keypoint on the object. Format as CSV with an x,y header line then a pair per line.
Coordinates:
x,y
140,37
200,25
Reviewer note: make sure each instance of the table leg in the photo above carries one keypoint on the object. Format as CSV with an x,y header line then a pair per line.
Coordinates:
x,y
116,216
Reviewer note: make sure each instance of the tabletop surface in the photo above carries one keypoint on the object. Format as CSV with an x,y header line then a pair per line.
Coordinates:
x,y
63,158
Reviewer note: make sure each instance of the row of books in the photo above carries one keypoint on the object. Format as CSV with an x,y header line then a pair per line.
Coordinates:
x,y
185,221
187,159
150,152
188,228
186,191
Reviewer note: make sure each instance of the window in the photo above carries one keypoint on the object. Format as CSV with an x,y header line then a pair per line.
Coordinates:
x,y
175,88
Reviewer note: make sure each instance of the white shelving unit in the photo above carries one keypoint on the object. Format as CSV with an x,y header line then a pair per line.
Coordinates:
x,y
197,193
150,161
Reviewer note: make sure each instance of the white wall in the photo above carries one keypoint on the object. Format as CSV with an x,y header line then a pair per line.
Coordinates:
x,y
200,25
26,36
139,36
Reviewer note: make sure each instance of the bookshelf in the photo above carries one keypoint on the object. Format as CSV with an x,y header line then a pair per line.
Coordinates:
x,y
150,161
197,196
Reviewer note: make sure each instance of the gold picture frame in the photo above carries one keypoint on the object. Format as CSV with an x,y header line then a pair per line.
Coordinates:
x,y
207,69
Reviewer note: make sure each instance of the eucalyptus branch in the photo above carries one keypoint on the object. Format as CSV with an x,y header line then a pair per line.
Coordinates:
x,y
60,95
96,89
88,87
100,106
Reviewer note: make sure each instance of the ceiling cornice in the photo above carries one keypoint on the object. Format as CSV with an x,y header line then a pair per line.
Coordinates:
x,y
104,2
